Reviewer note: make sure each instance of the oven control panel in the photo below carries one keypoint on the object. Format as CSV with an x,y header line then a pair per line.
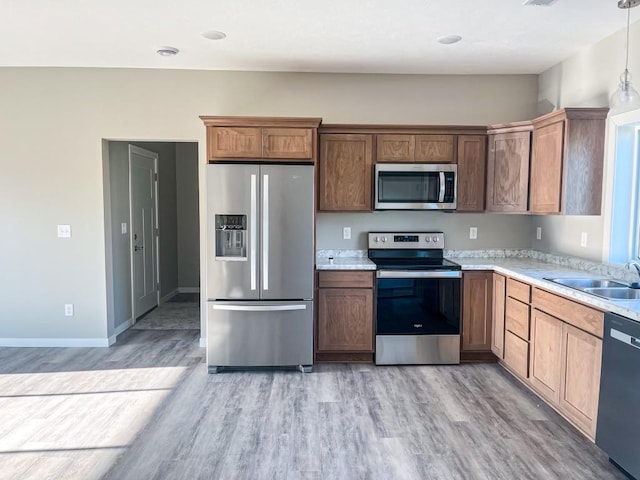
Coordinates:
x,y
423,240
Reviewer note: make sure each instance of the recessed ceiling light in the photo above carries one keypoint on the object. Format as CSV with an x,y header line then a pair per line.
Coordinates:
x,y
167,51
214,35
449,39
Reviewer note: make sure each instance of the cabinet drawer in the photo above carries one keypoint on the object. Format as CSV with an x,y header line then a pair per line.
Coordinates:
x,y
516,354
576,314
345,279
517,318
518,290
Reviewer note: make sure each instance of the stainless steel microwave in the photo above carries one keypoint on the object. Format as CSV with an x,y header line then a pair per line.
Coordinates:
x,y
414,186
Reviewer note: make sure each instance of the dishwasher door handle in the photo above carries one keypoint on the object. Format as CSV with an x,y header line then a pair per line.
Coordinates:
x,y
625,338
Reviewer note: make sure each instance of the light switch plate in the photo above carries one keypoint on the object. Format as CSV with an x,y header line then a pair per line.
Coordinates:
x,y
68,309
473,233
539,233
123,228
583,239
64,231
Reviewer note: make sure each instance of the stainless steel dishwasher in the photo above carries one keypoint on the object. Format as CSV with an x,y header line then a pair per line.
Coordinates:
x,y
618,431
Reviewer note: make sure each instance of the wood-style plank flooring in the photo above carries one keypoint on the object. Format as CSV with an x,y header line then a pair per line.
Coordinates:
x,y
147,409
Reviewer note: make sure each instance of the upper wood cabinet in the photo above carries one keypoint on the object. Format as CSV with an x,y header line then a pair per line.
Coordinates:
x,y
567,162
415,148
477,303
508,168
345,172
472,157
261,138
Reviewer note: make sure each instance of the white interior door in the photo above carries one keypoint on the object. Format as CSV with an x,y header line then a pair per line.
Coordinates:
x,y
144,229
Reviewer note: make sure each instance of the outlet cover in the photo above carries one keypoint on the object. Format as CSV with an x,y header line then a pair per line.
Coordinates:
x,y
346,233
123,228
68,309
583,239
64,231
539,233
473,233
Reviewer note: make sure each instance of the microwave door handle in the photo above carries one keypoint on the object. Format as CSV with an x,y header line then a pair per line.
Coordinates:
x,y
442,188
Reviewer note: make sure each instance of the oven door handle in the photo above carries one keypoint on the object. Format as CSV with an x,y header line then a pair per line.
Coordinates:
x,y
418,274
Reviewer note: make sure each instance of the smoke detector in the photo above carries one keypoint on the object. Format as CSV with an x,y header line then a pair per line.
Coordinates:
x,y
539,3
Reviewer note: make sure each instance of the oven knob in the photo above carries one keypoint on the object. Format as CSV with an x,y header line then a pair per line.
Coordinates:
x,y
384,239
376,239
435,239
427,239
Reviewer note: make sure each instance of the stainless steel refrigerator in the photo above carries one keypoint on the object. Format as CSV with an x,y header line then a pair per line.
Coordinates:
x,y
260,260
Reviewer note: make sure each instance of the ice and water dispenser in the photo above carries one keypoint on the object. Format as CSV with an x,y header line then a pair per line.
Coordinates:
x,y
231,237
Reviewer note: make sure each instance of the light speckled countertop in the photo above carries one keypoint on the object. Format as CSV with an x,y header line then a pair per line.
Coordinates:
x,y
525,265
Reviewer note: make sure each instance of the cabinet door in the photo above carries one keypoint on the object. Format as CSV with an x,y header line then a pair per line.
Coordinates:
x,y
345,319
476,311
508,172
234,142
294,143
497,337
435,148
345,172
395,148
471,172
546,168
546,355
580,381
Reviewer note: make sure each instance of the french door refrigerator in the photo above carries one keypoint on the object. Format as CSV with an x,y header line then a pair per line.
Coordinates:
x,y
260,261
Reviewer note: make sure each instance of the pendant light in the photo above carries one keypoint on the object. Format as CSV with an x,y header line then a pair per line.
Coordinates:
x,y
626,96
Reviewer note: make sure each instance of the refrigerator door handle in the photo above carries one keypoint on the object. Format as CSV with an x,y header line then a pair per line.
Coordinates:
x,y
265,232
254,231
258,308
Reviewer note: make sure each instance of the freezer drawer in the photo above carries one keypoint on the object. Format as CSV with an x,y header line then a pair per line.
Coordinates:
x,y
259,334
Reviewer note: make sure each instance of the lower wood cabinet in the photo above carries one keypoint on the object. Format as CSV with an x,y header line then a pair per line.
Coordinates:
x,y
516,354
499,295
546,354
345,316
477,306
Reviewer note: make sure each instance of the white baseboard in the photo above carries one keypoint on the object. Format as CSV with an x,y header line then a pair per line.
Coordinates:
x,y
203,342
54,342
119,329
169,296
189,289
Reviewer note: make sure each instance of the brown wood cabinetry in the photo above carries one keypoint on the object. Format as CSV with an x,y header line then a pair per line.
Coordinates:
x,y
499,295
517,326
580,377
472,159
261,138
546,354
345,172
508,168
567,162
477,293
345,316
403,148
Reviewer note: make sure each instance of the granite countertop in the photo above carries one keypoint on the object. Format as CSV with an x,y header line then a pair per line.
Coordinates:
x,y
528,266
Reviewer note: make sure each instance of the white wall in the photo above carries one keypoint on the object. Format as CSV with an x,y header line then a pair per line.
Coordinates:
x,y
586,79
188,215
53,121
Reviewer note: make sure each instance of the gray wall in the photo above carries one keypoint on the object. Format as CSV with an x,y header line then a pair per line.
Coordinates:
x,y
586,79
188,215
494,231
54,174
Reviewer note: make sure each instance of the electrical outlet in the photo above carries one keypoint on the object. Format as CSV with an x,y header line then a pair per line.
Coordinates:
x,y
123,228
346,233
583,239
473,233
68,309
539,233
64,231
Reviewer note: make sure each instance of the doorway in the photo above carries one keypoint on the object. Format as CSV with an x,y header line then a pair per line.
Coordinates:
x,y
177,237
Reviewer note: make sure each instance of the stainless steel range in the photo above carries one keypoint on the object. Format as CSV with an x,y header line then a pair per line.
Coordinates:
x,y
418,299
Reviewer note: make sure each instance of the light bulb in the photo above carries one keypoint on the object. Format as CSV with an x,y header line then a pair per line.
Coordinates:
x,y
625,96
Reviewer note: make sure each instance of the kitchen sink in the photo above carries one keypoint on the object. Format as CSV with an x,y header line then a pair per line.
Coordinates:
x,y
588,283
615,293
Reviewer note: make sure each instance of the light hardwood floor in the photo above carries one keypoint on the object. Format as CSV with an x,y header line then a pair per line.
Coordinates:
x,y
147,409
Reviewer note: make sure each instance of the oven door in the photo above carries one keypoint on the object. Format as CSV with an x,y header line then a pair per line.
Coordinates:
x,y
418,317
415,187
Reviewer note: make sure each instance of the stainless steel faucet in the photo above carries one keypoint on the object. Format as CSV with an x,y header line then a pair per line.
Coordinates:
x,y
636,265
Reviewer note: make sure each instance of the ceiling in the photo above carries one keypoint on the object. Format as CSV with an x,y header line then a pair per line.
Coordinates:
x,y
367,36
